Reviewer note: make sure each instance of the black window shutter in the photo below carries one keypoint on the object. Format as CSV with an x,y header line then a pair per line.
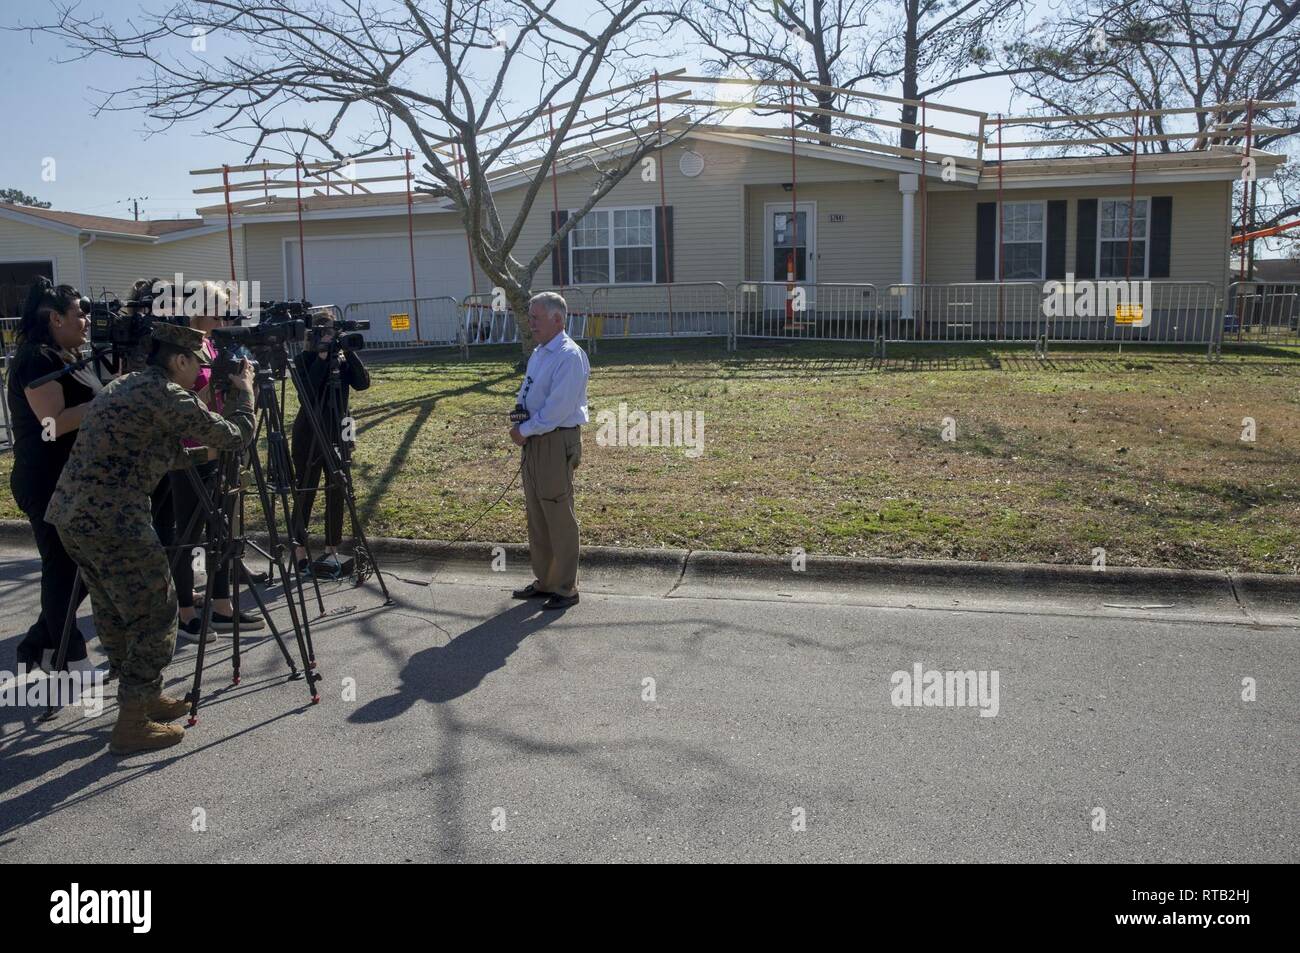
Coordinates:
x,y
1085,252
560,257
1056,212
986,227
1162,227
663,244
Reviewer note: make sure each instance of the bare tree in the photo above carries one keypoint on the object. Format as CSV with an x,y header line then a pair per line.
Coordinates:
x,y
362,77
826,44
1099,56
922,47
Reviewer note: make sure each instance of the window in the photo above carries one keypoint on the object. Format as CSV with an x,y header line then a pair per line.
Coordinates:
x,y
1024,240
613,242
1112,239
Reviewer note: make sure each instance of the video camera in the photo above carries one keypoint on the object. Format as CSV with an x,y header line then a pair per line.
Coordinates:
x,y
346,335
122,326
264,345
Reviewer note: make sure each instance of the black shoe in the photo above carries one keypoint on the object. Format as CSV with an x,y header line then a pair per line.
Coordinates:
x,y
256,578
247,622
560,602
190,631
529,591
29,657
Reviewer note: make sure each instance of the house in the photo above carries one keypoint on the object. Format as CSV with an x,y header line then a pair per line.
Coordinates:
x,y
722,212
718,211
99,255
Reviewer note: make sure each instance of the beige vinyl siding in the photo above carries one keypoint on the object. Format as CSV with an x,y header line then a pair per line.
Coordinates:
x,y
22,242
1198,250
708,210
265,244
718,229
115,265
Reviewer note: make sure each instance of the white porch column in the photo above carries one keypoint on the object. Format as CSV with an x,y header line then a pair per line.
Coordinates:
x,y
908,182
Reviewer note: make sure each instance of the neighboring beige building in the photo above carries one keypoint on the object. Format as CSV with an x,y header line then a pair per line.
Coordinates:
x,y
104,256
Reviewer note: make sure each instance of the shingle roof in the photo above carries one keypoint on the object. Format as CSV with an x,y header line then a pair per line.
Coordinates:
x,y
102,223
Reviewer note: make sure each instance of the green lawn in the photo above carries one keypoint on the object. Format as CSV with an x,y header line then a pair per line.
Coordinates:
x,y
819,447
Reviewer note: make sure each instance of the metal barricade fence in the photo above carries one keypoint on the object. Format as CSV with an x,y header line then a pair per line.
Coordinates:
x,y
1085,311
681,309
407,322
820,311
1262,313
481,324
977,311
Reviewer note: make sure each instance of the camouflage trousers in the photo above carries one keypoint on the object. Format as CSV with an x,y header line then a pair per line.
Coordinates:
x,y
134,602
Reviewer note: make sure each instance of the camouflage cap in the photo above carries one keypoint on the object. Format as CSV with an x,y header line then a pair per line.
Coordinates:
x,y
187,339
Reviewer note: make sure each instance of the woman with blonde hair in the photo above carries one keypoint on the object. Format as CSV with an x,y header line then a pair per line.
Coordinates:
x,y
213,312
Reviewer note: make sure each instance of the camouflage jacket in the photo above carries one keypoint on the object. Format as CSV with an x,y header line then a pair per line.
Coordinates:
x,y
129,438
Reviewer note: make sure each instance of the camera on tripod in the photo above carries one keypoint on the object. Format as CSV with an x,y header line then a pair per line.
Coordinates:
x,y
331,335
123,330
264,345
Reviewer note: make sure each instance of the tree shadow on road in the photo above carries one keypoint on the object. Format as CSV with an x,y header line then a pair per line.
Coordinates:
x,y
443,673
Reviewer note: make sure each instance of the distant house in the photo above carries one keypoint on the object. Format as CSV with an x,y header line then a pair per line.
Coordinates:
x,y
102,255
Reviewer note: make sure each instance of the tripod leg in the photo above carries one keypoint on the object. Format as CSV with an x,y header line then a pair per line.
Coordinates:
x,y
268,508
61,656
203,644
275,631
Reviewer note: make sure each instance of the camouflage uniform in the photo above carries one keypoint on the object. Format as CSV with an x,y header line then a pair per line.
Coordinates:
x,y
129,438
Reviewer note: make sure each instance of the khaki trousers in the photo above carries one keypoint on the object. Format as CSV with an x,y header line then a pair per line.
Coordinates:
x,y
549,460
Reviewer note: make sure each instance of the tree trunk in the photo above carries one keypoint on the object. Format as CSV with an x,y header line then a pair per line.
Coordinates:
x,y
907,138
517,297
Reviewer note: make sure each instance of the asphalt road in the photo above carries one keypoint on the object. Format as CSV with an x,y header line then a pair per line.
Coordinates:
x,y
486,730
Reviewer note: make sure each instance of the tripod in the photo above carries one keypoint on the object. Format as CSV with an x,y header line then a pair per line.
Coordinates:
x,y
336,455
227,548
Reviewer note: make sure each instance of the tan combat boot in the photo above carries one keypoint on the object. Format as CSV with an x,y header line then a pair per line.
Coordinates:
x,y
135,732
165,708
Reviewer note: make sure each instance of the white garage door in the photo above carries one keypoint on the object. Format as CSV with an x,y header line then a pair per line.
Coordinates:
x,y
343,271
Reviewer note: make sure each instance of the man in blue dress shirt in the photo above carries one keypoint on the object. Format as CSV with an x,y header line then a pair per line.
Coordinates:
x,y
554,395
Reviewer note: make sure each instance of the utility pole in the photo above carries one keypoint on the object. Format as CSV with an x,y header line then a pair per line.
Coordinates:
x,y
135,204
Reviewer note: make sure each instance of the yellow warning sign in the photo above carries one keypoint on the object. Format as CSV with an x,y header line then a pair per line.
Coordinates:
x,y
399,322
1128,314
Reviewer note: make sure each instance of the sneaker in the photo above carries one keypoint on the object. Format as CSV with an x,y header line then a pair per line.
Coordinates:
x,y
190,631
247,622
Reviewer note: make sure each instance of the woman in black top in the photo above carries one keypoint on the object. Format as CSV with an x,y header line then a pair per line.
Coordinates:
x,y
308,458
45,421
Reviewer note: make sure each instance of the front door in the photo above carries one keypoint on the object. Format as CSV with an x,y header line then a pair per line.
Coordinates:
x,y
790,248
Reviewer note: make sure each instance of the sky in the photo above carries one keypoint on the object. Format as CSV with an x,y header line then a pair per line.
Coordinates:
x,y
62,152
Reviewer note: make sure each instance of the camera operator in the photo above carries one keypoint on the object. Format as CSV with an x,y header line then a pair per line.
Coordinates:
x,y
53,327
185,502
309,458
129,439
160,499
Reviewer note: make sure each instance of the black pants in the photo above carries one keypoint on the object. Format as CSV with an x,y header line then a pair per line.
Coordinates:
x,y
308,463
160,503
57,574
185,504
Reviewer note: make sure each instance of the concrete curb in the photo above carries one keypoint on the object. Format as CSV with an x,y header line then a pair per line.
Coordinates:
x,y
841,572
